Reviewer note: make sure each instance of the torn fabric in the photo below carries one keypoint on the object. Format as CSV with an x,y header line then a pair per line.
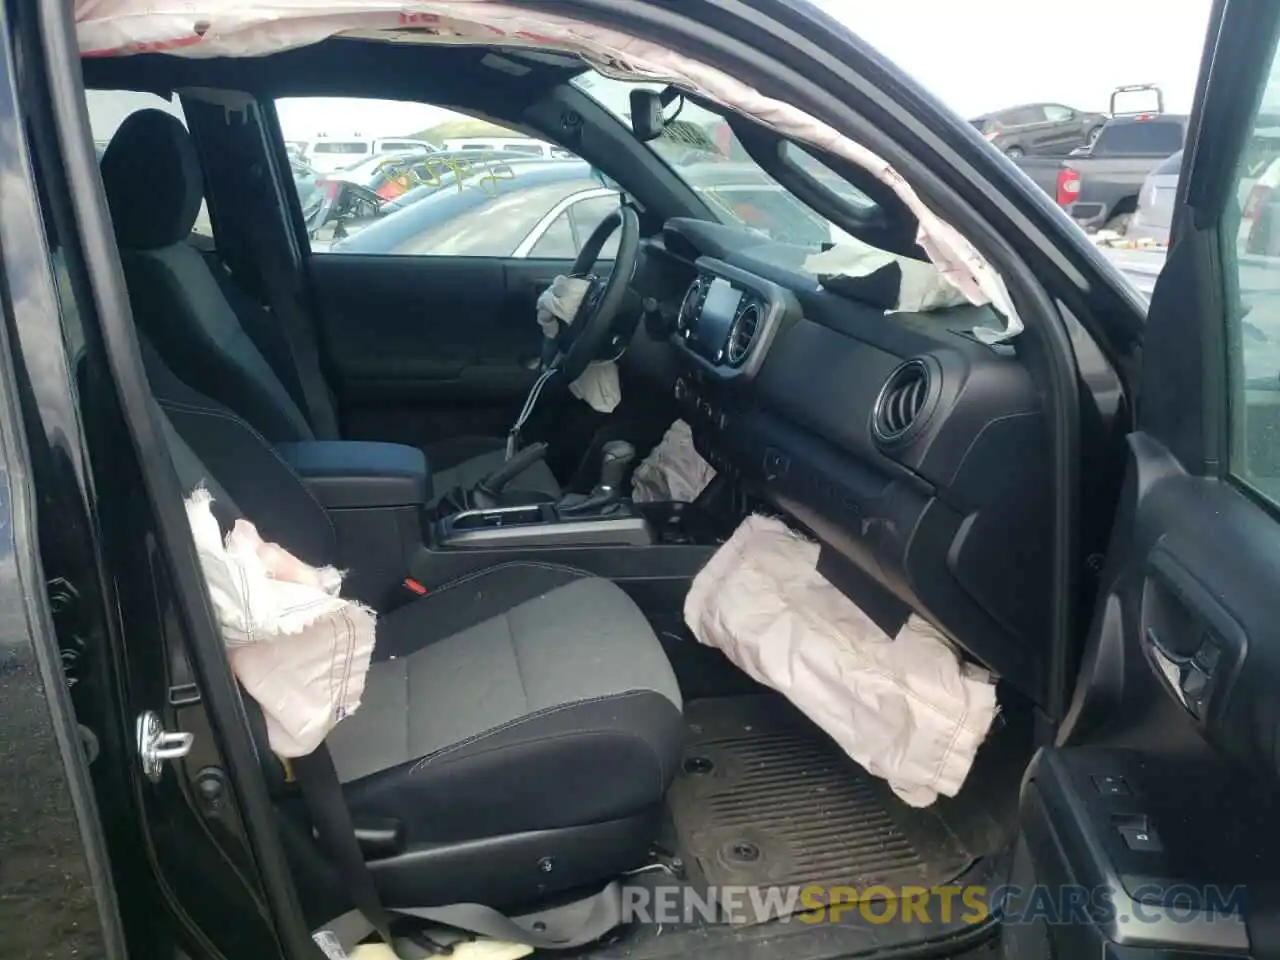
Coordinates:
x,y
298,648
241,28
673,470
598,385
906,708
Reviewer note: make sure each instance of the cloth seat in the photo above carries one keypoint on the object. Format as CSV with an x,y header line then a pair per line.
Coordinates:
x,y
524,697
519,726
209,332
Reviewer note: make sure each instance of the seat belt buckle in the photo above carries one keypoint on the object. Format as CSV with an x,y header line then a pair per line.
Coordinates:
x,y
415,587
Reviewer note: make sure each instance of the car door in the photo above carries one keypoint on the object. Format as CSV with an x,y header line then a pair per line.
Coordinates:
x,y
428,309
1142,831
1061,131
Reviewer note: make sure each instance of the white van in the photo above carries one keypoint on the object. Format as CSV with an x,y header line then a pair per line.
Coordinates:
x,y
327,154
525,145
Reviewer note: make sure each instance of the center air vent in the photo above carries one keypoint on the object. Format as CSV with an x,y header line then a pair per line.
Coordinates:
x,y
690,307
904,402
743,333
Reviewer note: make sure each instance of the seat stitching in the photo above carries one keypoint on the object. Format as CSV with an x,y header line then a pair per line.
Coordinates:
x,y
515,653
550,738
182,406
535,715
505,565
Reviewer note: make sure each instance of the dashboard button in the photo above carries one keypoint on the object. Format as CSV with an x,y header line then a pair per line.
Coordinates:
x,y
1141,839
1112,786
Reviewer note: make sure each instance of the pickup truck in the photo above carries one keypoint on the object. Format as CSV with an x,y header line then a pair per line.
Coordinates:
x,y
1099,185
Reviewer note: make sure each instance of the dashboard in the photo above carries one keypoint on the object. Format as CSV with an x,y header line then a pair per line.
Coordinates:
x,y
913,451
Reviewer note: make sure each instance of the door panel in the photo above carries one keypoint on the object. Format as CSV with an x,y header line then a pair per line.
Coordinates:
x,y
1162,781
423,348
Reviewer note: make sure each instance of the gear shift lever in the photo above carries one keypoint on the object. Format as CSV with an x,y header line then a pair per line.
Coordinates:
x,y
616,459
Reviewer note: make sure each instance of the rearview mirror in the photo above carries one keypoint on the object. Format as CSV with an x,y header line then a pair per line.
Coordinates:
x,y
647,121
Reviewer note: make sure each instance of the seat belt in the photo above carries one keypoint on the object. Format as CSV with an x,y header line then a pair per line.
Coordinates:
x,y
299,338
561,928
331,820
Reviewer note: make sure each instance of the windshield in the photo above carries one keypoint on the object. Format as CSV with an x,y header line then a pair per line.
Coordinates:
x,y
703,151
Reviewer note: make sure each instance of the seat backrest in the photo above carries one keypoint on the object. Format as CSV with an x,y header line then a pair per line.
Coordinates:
x,y
154,188
223,451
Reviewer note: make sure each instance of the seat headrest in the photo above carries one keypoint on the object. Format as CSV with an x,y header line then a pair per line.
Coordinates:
x,y
151,173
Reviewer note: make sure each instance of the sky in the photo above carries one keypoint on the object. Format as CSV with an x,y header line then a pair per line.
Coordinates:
x,y
979,55
975,55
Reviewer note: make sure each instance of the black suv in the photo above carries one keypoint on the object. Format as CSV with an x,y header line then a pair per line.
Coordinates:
x,y
1045,129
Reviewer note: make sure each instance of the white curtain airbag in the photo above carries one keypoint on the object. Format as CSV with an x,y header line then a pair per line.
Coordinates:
x,y
906,708
240,28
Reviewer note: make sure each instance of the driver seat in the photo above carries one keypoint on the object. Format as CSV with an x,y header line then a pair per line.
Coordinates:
x,y
197,321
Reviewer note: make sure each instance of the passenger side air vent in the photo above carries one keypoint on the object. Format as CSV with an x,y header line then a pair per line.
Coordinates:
x,y
904,403
743,333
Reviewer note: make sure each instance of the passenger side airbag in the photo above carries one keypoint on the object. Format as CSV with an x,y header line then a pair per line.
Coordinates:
x,y
907,707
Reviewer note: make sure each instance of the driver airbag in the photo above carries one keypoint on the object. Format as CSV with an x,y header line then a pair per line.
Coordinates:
x,y
906,708
598,386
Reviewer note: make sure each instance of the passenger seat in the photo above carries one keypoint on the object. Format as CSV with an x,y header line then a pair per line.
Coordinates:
x,y
519,727
154,187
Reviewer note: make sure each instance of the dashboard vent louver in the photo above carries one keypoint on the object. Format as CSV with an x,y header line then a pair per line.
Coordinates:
x,y
742,334
689,307
902,401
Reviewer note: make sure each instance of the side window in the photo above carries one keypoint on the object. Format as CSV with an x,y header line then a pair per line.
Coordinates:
x,y
379,194
587,215
1251,258
1056,113
1024,115
557,242
110,108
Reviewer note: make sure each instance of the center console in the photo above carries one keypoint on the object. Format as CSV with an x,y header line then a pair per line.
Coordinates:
x,y
376,494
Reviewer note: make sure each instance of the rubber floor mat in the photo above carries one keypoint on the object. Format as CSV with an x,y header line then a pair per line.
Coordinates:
x,y
765,798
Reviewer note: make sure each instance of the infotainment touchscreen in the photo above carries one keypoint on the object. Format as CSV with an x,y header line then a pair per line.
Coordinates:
x,y
717,317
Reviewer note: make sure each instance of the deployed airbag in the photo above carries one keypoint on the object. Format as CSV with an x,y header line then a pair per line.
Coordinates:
x,y
906,708
239,28
673,470
598,386
298,648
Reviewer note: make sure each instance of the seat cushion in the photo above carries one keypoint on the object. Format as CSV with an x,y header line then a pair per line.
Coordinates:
x,y
525,697
463,462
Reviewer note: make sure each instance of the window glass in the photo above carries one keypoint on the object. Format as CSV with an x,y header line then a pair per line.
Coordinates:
x,y
349,147
109,108
1171,166
1019,116
1251,258
422,180
587,215
702,150
557,243
1153,138
1055,113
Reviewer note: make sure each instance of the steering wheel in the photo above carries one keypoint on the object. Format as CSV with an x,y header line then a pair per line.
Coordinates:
x,y
593,325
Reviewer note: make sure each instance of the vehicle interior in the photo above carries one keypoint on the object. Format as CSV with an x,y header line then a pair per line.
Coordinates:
x,y
539,721
828,411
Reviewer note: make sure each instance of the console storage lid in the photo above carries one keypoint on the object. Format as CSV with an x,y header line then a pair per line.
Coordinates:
x,y
349,474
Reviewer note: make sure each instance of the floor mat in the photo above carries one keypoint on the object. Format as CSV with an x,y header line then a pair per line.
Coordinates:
x,y
767,798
